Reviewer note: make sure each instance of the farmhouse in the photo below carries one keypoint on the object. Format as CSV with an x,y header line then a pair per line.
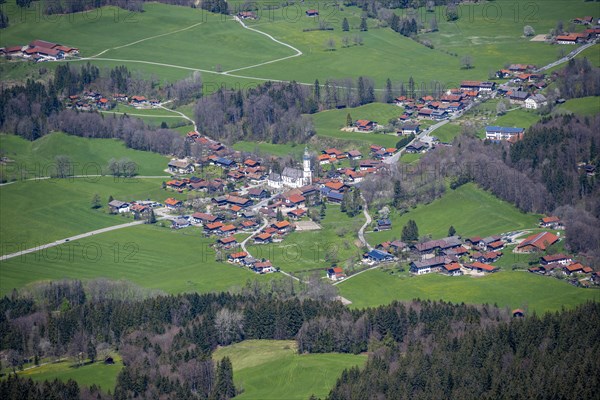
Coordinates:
x,y
228,242
179,223
354,155
452,269
213,227
481,267
498,133
377,256
203,218
556,258
173,203
336,274
237,257
538,241
488,257
180,166
518,97
416,147
117,206
409,129
263,267
552,222
246,15
536,101
296,213
262,238
312,13
428,265
384,224
365,125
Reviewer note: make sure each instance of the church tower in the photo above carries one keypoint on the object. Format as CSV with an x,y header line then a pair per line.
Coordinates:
x,y
307,175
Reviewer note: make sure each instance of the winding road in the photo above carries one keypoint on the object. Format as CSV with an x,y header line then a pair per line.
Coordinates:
x,y
361,231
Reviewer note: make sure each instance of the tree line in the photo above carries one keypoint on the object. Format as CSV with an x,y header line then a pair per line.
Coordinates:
x,y
537,357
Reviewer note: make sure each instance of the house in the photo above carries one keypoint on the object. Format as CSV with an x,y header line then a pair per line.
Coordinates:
x,y
336,274
237,257
487,257
236,201
576,268
228,242
312,13
258,193
452,269
139,208
425,112
262,238
138,100
551,222
409,129
179,223
295,200
282,226
246,15
483,243
556,258
416,147
570,38
296,213
228,229
481,267
441,244
537,242
117,206
249,225
429,265
384,224
180,166
456,251
203,218
498,133
173,203
365,125
518,313
213,227
224,162
518,97
536,101
354,155
495,246
263,267
177,184
377,256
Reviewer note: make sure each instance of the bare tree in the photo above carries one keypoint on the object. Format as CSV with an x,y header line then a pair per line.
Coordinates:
x,y
466,62
229,326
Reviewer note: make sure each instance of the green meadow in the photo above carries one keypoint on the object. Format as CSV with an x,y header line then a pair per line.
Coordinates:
x,y
471,210
409,158
519,118
264,148
150,256
99,374
301,252
506,288
583,106
89,156
39,212
446,133
273,369
329,123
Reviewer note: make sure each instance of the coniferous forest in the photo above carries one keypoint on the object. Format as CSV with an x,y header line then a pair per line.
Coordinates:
x,y
417,350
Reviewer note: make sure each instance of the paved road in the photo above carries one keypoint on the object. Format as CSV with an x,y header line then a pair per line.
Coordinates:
x,y
42,178
566,58
243,244
361,231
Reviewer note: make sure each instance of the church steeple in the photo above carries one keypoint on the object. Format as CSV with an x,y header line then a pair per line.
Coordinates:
x,y
306,174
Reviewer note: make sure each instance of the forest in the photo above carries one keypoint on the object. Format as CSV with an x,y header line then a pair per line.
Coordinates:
x,y
417,349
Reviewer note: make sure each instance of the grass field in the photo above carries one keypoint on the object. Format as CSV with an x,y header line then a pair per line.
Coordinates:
x,y
409,158
150,256
520,118
39,212
446,133
263,148
328,123
472,211
505,288
312,250
104,376
273,370
582,106
90,156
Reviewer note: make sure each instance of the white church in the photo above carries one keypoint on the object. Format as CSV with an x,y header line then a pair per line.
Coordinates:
x,y
292,177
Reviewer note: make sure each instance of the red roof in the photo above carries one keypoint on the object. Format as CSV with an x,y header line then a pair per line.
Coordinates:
x,y
236,208
334,185
172,202
281,224
551,219
575,267
298,212
482,266
296,198
264,236
228,228
337,270
241,254
214,225
363,122
452,267
228,239
539,240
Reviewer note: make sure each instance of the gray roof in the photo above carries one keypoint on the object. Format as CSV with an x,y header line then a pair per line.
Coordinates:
x,y
273,176
118,204
538,98
292,172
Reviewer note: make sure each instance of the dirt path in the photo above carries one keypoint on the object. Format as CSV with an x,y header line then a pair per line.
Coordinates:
x,y
148,38
298,52
361,231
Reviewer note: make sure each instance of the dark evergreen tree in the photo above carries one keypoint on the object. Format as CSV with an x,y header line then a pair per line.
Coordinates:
x,y
451,231
345,25
389,94
363,24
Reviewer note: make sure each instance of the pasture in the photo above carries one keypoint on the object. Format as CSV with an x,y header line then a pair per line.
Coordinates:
x,y
471,210
284,374
99,374
89,156
150,256
329,123
39,212
512,289
583,106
